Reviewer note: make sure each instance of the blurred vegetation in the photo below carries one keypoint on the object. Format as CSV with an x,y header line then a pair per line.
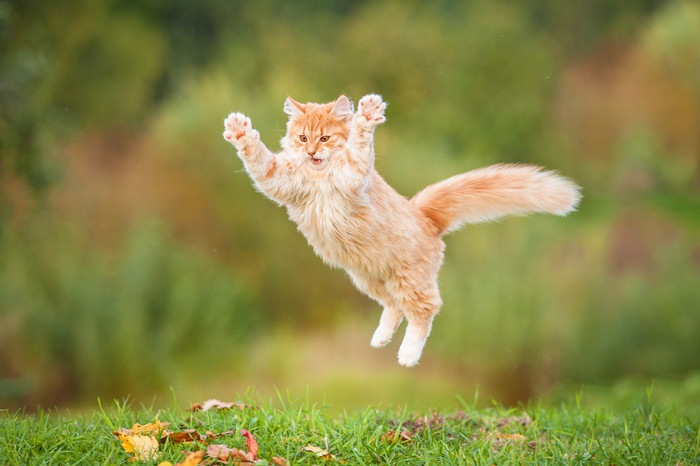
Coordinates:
x,y
135,255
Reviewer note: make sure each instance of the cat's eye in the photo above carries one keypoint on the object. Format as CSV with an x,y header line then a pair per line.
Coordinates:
x,y
324,138
303,138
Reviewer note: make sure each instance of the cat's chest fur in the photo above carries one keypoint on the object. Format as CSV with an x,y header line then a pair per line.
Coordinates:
x,y
335,223
368,230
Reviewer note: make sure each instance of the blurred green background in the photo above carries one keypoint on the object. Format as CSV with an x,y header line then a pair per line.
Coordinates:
x,y
135,256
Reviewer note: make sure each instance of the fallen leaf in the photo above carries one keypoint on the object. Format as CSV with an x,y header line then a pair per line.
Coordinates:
x,y
149,428
251,443
209,435
510,437
224,453
193,458
218,404
189,435
141,439
402,436
279,461
320,452
144,447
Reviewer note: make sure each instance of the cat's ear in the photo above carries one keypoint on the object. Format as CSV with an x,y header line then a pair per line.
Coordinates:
x,y
343,108
293,108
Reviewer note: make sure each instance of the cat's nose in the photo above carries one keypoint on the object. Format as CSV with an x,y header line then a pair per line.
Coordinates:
x,y
311,152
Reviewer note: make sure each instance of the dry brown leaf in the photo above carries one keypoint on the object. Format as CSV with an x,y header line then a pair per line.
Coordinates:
x,y
402,436
211,435
224,453
192,435
279,461
218,404
189,435
320,452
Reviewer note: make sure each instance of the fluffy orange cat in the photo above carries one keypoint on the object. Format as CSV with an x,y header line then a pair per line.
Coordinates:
x,y
390,246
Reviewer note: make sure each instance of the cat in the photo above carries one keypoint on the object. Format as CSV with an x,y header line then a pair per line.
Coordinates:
x,y
390,246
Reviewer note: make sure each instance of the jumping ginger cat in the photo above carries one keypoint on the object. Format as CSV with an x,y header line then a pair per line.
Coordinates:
x,y
390,246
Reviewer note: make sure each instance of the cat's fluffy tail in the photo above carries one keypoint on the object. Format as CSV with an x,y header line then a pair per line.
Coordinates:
x,y
492,192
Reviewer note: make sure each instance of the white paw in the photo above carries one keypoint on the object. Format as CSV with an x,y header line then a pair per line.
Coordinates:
x,y
388,323
371,109
381,338
409,355
412,345
239,131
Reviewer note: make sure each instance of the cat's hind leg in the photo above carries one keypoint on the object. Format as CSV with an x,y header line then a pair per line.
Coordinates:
x,y
411,348
388,323
391,315
419,307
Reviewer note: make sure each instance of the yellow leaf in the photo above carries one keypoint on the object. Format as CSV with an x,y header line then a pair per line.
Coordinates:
x,y
148,428
144,448
193,458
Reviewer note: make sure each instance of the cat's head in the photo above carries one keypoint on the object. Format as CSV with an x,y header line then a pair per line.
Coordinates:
x,y
316,132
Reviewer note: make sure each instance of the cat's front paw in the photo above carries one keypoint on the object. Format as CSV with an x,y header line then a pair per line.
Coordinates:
x,y
239,131
370,110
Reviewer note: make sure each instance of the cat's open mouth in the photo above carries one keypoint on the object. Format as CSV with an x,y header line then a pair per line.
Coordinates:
x,y
316,162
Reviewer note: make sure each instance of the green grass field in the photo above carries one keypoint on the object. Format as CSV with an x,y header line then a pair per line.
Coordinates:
x,y
641,428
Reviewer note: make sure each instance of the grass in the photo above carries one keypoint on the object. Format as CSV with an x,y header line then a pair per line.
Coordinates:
x,y
573,432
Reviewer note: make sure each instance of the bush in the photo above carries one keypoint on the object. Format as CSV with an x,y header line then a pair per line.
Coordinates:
x,y
90,323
